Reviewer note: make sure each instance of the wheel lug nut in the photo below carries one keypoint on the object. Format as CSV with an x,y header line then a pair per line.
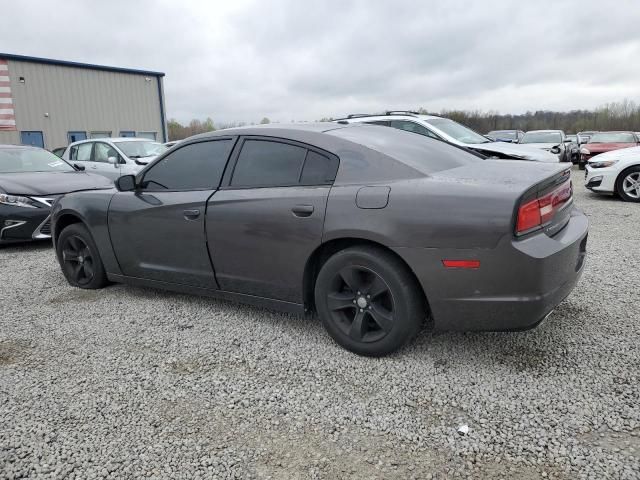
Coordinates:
x,y
361,310
354,301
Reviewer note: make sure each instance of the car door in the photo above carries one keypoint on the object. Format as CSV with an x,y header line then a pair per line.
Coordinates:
x,y
158,230
106,160
267,218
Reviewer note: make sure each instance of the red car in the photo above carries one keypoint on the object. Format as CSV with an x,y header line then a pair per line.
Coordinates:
x,y
601,142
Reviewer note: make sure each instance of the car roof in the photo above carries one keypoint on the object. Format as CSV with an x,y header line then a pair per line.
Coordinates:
x,y
544,131
20,147
360,118
116,139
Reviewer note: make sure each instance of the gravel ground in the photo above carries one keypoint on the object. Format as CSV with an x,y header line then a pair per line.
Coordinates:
x,y
130,382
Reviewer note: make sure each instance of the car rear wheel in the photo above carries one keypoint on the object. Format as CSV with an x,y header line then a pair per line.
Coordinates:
x,y
79,258
628,185
368,301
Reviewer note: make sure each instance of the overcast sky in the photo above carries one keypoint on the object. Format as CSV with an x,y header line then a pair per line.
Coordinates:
x,y
303,60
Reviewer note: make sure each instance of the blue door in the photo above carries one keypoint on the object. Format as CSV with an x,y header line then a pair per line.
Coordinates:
x,y
32,138
76,136
127,133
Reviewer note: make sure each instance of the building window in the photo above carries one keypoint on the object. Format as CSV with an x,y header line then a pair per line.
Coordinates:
x,y
35,139
100,135
149,135
127,133
76,136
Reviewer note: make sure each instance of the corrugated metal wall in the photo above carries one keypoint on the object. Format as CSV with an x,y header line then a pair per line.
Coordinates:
x,y
81,99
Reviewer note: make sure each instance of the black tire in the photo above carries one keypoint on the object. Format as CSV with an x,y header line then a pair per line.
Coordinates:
x,y
381,311
582,165
79,258
634,173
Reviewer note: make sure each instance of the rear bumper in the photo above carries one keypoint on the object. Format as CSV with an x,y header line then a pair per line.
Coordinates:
x,y
18,224
517,285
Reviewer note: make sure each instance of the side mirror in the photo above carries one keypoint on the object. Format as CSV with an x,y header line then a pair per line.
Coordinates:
x,y
126,183
80,168
112,160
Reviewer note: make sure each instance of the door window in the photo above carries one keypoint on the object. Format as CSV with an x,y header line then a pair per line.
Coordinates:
x,y
412,127
263,163
81,152
196,166
318,169
103,151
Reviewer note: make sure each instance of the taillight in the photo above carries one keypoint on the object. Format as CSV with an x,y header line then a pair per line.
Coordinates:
x,y
535,213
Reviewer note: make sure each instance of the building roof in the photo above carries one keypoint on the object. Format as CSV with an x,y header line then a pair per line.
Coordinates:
x,y
65,63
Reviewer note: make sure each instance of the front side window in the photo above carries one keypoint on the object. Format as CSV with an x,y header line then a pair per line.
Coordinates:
x,y
457,131
197,166
263,163
18,160
413,127
103,151
81,152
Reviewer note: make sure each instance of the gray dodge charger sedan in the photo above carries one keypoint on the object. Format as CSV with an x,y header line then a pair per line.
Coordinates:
x,y
374,229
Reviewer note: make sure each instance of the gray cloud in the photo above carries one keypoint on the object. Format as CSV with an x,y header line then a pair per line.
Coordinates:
x,y
242,60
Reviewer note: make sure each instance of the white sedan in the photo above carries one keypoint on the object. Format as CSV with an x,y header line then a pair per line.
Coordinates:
x,y
113,157
617,171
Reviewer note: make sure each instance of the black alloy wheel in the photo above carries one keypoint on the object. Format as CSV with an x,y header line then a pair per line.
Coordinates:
x,y
361,304
368,300
79,258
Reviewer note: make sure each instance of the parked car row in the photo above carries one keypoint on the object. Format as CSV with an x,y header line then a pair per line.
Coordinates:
x,y
578,148
447,130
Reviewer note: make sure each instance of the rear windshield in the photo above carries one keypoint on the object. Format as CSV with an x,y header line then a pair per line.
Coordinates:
x,y
503,134
541,137
22,160
613,137
422,153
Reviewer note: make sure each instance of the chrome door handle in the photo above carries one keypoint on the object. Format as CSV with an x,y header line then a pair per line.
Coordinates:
x,y
191,214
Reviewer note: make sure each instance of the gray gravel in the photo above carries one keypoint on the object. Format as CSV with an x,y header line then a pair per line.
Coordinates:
x,y
129,382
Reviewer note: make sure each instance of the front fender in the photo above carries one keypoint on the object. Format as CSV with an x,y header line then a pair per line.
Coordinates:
x,y
90,208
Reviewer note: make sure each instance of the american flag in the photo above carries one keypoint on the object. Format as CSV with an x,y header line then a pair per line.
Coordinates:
x,y
7,115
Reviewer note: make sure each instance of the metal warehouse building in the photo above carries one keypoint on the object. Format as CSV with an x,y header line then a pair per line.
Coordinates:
x,y
50,103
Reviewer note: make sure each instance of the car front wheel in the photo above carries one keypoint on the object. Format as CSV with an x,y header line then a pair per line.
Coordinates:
x,y
628,185
368,301
79,258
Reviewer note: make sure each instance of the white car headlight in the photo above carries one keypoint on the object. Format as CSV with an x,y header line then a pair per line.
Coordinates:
x,y
585,151
16,201
602,163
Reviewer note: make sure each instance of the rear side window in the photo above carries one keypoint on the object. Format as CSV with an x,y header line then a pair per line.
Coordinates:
x,y
268,164
81,153
318,169
198,166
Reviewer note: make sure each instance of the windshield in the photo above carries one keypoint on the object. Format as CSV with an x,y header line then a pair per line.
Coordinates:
x,y
459,132
613,137
19,160
503,134
140,149
541,137
573,138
